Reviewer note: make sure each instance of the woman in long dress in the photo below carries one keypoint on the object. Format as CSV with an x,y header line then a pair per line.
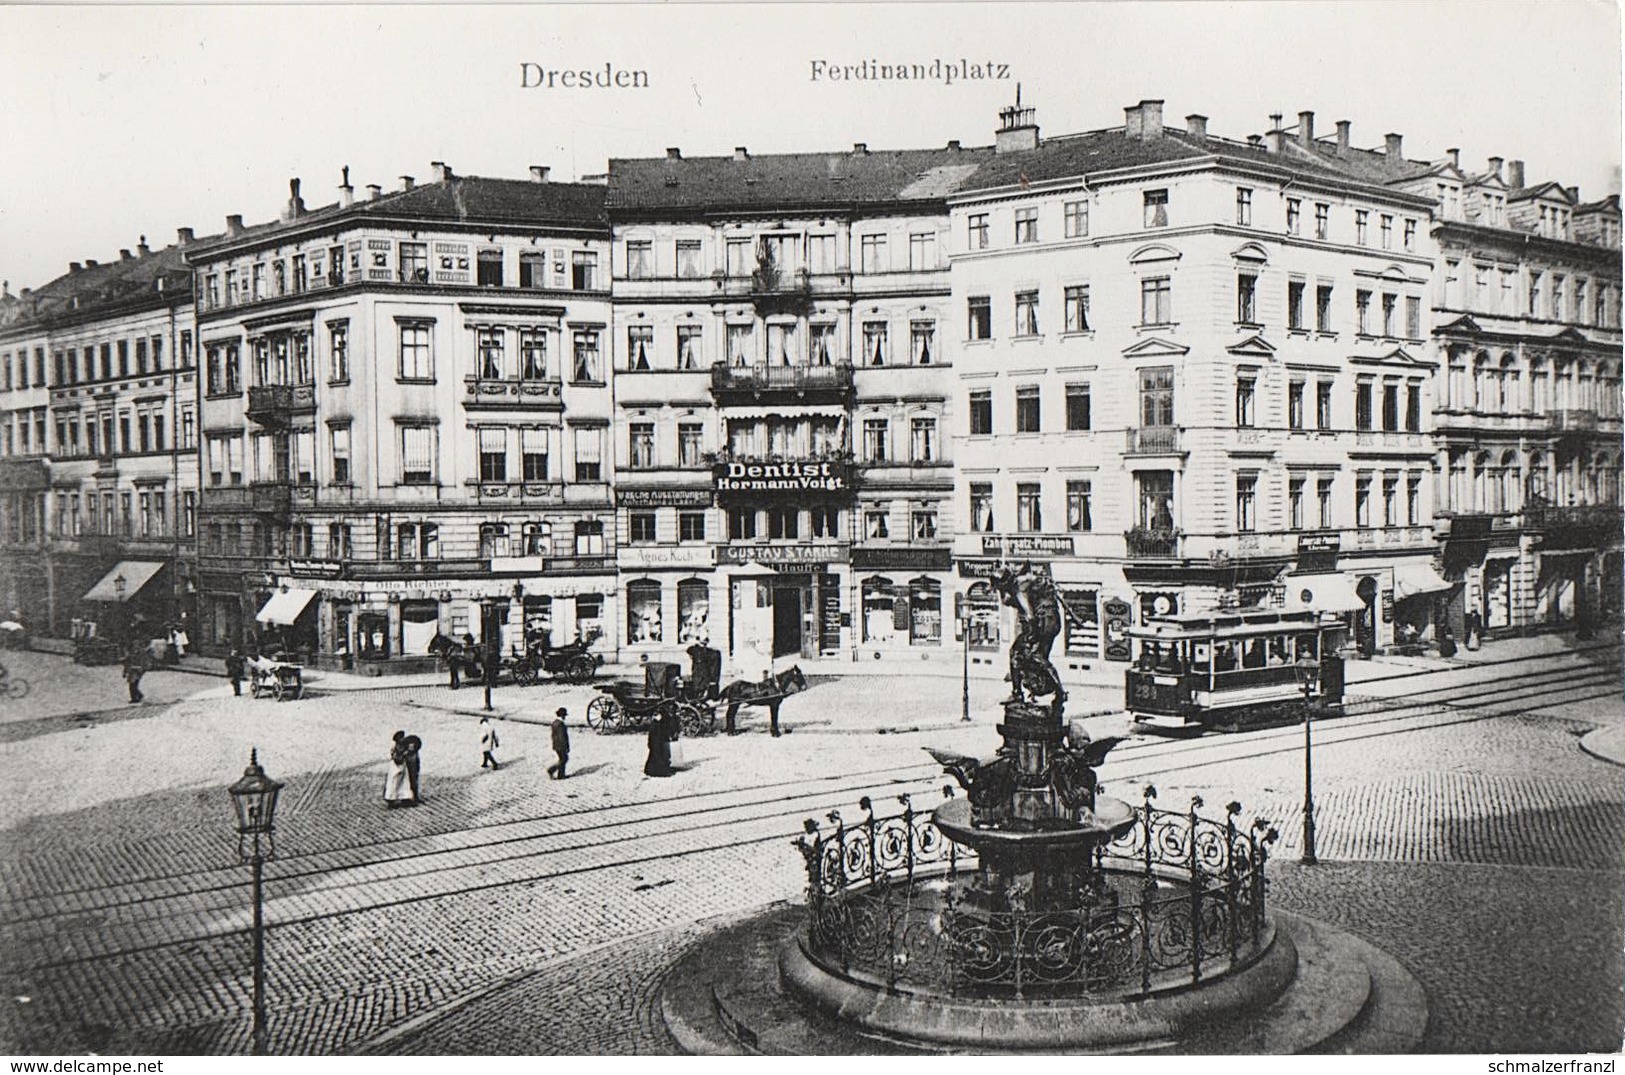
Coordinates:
x,y
659,762
397,785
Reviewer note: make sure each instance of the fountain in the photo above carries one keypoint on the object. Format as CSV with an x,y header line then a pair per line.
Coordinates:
x,y
1035,913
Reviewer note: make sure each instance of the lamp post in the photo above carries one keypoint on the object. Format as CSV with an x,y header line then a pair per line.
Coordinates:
x,y
964,667
254,797
1308,671
120,620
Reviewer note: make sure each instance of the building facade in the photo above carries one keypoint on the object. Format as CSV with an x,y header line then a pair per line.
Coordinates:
x,y
405,421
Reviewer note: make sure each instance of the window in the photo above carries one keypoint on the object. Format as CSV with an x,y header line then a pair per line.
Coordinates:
x,y
640,344
1386,227
1157,396
1294,215
417,541
923,524
1294,503
414,263
690,436
533,354
140,356
1077,308
1247,299
417,359
981,507
1413,501
981,412
922,251
338,349
417,455
1246,503
1156,208
538,539
488,268
1294,405
493,540
922,337
1246,387
589,455
976,228
644,622
1076,216
688,347
1362,501
824,522
1410,234
1077,407
1362,220
1156,301
589,538
1390,406
691,526
1390,501
340,545
488,345
1323,405
1294,305
641,443
1029,508
923,440
533,444
1389,304
587,368
781,344
688,259
1413,317
1362,312
1026,313
1413,407
532,268
980,308
640,259
1027,409
872,249
641,527
583,270
493,446
258,273
875,523
1323,499
1362,405
339,442
874,440
784,523
875,349
1079,505
1323,214
741,524
1027,225
1323,308
739,261
1244,206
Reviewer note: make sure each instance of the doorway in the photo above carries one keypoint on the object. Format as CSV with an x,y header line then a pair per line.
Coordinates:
x,y
787,614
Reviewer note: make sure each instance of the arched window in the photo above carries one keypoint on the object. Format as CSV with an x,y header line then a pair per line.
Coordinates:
x,y
1540,383
1481,468
693,611
1511,397
1537,484
643,620
1509,484
1483,387
925,612
880,610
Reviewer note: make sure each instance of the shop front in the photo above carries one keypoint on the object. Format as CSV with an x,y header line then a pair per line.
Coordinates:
x,y
1421,595
1351,598
784,601
900,598
668,593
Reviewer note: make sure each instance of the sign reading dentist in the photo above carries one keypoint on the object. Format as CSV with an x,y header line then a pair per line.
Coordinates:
x,y
821,477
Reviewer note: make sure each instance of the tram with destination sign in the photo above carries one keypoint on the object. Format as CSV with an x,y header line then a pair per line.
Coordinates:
x,y
1233,671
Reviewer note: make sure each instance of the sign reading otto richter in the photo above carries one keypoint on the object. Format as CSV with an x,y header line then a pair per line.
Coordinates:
x,y
822,477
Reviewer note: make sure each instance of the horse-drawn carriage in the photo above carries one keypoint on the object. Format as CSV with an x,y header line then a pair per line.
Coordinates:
x,y
572,663
629,706
281,680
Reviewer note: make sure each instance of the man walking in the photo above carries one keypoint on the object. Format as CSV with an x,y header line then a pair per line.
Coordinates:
x,y
488,744
234,670
561,744
135,666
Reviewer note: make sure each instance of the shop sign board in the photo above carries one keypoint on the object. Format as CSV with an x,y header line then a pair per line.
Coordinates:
x,y
1024,545
1118,613
663,498
902,559
316,569
808,477
776,556
641,557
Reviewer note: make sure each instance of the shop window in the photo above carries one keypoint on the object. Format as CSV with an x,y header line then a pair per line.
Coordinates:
x,y
420,621
643,612
589,615
1082,621
538,613
372,636
693,611
880,611
925,612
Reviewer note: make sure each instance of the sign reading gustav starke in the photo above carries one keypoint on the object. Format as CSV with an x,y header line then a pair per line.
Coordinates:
x,y
824,477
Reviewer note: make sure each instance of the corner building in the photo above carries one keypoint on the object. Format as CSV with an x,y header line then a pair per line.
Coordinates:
x,y
783,398
405,421
1195,375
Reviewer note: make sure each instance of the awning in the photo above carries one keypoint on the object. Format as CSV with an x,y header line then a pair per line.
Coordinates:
x,y
1413,579
133,574
285,606
1322,593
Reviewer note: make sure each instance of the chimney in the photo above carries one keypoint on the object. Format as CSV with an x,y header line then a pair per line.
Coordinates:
x,y
234,224
860,147
1306,129
1150,120
1515,173
1017,131
374,192
184,236
74,266
1455,157
1574,194
89,264
1495,167
125,255
1342,137
538,173
673,153
953,143
442,171
1255,140
1391,151
1196,125
1275,135
346,191
741,153
1131,121
406,182
296,205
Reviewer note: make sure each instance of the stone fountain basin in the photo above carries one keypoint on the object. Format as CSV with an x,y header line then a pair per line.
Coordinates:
x,y
1112,818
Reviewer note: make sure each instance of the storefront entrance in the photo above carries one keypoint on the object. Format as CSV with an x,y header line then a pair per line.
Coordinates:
x,y
788,598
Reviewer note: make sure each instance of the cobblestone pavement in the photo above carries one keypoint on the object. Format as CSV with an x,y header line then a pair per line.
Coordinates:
x,y
124,914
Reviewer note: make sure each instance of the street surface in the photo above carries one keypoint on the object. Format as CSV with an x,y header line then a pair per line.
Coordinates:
x,y
1460,826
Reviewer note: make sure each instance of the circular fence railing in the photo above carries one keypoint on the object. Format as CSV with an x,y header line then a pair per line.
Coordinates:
x,y
1177,898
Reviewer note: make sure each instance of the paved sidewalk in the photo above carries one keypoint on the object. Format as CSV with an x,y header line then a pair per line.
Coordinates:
x,y
1606,743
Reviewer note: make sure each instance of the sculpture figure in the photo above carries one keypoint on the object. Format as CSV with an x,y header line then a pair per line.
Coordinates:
x,y
1038,609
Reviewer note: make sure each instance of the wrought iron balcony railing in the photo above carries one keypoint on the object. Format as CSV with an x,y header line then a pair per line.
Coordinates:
x,y
1152,440
1146,542
275,402
763,378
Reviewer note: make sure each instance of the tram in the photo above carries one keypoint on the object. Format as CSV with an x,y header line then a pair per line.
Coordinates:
x,y
1231,671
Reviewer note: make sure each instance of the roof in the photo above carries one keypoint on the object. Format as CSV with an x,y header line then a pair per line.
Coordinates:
x,y
845,178
107,288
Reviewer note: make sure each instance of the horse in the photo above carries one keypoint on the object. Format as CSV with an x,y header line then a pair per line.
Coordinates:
x,y
460,659
768,692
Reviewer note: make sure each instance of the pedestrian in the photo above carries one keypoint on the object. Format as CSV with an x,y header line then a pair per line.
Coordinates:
x,y
414,762
234,670
396,784
561,744
658,762
488,744
135,666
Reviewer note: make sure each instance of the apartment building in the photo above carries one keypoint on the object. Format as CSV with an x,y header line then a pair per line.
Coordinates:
x,y
98,445
783,396
405,414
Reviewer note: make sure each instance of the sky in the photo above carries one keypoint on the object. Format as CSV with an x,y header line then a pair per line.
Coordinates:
x,y
124,121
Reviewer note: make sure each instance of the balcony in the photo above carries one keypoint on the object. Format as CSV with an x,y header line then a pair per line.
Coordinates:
x,y
516,492
275,404
1152,543
1152,440
787,384
271,498
1574,519
490,393
1574,420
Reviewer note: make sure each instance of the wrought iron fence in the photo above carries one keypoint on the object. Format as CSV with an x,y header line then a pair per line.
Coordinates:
x,y
1176,898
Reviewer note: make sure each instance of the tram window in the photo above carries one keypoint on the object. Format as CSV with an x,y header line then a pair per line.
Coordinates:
x,y
1254,656
1278,650
1306,647
1224,656
1169,661
1201,655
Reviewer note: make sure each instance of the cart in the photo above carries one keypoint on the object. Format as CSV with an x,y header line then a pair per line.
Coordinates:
x,y
275,679
571,663
624,706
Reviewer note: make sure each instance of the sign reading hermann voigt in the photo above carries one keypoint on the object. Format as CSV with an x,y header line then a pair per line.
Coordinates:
x,y
822,477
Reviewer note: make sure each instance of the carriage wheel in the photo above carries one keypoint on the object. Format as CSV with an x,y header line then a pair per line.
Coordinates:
x,y
524,675
580,669
601,715
696,720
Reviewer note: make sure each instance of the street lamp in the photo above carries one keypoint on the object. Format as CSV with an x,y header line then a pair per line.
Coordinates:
x,y
254,797
1308,672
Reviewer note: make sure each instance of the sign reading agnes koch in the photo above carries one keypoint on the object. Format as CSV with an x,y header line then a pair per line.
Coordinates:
x,y
822,477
